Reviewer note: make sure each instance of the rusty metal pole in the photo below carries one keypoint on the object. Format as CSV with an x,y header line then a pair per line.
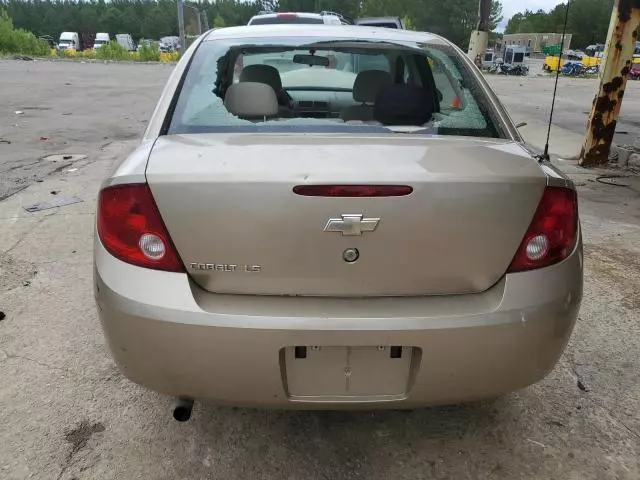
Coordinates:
x,y
616,64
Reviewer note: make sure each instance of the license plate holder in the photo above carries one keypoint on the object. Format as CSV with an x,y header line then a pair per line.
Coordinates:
x,y
348,373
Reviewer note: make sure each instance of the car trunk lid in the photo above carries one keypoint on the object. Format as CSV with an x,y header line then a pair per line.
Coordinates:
x,y
229,204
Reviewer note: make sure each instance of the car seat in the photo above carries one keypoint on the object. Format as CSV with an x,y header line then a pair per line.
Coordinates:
x,y
365,90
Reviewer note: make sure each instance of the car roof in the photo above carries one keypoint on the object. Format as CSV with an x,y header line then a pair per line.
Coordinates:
x,y
326,32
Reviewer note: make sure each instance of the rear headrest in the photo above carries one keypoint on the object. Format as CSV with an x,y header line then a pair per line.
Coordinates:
x,y
262,74
405,105
251,100
368,84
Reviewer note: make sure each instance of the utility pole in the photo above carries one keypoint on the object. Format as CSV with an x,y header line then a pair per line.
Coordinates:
x,y
480,36
616,64
181,25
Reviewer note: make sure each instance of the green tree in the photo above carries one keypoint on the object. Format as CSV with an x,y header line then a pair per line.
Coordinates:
x,y
453,19
588,21
111,20
156,24
88,21
496,14
408,22
16,40
219,22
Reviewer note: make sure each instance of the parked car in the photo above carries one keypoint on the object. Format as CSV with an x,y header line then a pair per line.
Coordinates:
x,y
169,44
101,39
385,22
69,41
343,20
574,54
596,50
295,17
313,237
126,41
50,41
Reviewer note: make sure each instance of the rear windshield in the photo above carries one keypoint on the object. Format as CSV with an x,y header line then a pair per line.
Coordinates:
x,y
335,86
285,19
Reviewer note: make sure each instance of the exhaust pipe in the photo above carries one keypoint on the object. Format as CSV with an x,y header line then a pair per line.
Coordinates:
x,y
182,409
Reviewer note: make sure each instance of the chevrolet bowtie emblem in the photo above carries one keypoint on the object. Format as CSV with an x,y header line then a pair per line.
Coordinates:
x,y
350,225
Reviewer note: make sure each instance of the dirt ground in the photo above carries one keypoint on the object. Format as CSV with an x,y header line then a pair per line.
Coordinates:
x,y
529,100
67,413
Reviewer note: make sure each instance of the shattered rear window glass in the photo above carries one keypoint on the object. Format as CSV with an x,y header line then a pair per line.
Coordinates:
x,y
317,88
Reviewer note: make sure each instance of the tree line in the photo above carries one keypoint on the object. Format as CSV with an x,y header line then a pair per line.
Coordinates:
x,y
454,19
588,21
141,18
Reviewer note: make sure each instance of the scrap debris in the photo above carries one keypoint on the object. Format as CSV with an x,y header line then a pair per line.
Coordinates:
x,y
37,207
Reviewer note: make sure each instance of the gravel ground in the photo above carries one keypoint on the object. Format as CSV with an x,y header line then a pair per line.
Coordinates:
x,y
66,412
51,107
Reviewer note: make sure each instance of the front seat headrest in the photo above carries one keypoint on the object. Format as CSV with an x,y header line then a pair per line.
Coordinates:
x,y
261,73
368,83
251,100
403,105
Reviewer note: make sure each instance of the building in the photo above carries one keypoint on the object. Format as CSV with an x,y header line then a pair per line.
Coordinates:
x,y
535,42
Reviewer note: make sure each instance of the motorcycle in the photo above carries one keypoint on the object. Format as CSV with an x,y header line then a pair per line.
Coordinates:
x,y
495,68
572,69
519,70
516,70
593,70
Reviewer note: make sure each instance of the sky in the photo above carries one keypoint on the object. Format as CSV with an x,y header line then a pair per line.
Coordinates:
x,y
511,7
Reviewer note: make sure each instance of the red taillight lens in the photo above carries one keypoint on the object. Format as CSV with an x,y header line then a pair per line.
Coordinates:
x,y
353,190
553,231
131,229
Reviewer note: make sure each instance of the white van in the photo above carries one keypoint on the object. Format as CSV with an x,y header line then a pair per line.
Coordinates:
x,y
69,41
101,39
125,40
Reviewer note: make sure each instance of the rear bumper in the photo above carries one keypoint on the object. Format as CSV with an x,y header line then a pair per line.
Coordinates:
x,y
169,335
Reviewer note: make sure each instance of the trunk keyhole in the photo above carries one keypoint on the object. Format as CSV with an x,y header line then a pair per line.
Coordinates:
x,y
350,255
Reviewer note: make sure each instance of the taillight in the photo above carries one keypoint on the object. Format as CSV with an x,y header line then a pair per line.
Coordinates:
x,y
553,231
131,229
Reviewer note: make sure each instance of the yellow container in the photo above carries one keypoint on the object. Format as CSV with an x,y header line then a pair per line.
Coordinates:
x,y
591,61
551,63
